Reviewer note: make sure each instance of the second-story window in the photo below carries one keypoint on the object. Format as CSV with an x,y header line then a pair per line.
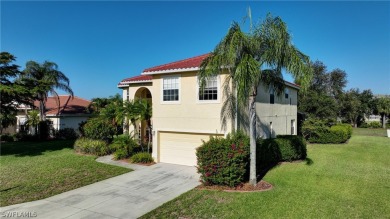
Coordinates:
x,y
210,90
171,88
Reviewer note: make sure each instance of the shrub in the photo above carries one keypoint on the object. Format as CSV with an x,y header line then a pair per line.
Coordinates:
x,y
313,127
44,129
99,129
317,131
90,146
23,136
81,128
375,125
121,154
333,135
282,148
123,146
348,128
66,133
224,161
142,157
6,137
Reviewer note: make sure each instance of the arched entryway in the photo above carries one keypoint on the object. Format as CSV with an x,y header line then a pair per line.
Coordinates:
x,y
144,126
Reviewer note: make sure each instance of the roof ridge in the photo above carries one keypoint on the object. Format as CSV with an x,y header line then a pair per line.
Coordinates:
x,y
67,95
170,63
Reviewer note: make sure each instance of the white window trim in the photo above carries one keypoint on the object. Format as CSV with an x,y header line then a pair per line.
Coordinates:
x,y
162,90
218,100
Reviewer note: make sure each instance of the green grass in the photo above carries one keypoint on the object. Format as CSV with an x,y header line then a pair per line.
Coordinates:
x,y
370,132
36,170
342,181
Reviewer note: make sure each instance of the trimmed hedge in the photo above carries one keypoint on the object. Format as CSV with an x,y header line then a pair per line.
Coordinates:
x,y
282,148
373,125
317,131
90,146
334,135
348,128
224,161
142,157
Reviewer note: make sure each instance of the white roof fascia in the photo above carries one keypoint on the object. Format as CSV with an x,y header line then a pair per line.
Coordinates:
x,y
170,71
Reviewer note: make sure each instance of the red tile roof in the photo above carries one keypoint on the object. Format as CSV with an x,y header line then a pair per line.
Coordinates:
x,y
182,64
68,105
136,79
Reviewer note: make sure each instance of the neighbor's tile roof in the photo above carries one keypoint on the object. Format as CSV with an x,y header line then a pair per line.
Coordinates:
x,y
67,105
182,64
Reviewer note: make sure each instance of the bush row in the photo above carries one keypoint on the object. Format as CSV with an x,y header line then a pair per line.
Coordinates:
x,y
336,134
373,125
122,147
317,131
225,161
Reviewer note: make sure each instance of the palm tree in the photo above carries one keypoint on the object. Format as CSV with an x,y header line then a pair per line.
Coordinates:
x,y
145,110
131,112
33,119
250,59
46,78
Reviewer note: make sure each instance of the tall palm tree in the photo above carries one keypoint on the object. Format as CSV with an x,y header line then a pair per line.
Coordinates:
x,y
47,79
250,59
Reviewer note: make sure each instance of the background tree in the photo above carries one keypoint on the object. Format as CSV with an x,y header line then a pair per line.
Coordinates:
x,y
253,58
351,106
382,107
12,91
322,98
45,78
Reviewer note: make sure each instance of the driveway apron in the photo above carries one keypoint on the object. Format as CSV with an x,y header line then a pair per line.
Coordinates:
x,y
130,195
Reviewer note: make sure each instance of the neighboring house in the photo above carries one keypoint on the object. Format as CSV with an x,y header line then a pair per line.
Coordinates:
x,y
183,116
70,113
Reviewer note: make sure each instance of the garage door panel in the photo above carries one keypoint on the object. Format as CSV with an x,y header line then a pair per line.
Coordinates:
x,y
180,148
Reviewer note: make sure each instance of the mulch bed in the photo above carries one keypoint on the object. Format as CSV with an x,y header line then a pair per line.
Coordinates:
x,y
245,187
143,164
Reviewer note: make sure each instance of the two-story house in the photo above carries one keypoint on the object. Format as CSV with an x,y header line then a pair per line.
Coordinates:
x,y
183,116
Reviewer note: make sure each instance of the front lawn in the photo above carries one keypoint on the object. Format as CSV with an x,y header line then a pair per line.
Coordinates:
x,y
338,181
37,170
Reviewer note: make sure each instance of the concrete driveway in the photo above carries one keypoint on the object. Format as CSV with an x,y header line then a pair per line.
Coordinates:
x,y
130,195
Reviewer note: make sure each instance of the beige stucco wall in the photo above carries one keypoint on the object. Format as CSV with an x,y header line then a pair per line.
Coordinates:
x,y
281,113
188,115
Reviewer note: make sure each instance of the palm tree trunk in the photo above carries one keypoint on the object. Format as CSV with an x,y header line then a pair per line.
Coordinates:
x,y
252,136
384,121
42,115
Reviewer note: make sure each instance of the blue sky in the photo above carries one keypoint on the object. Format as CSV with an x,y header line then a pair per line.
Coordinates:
x,y
97,44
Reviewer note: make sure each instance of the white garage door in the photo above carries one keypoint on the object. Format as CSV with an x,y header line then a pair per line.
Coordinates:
x,y
180,148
